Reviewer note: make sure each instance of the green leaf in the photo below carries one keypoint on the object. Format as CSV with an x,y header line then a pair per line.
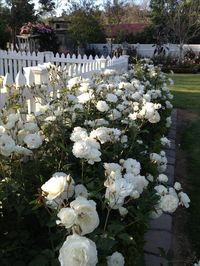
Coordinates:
x,y
115,228
39,261
126,238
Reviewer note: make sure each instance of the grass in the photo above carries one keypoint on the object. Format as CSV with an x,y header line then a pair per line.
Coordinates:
x,y
186,90
191,145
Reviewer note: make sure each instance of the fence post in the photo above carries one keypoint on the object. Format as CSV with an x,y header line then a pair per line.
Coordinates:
x,y
40,75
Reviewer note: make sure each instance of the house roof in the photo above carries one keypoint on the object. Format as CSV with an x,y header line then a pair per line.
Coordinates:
x,y
113,29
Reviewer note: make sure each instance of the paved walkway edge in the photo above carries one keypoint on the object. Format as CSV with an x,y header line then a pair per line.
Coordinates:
x,y
159,234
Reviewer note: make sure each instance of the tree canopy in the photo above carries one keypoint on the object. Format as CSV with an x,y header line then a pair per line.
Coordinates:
x,y
19,12
46,7
84,23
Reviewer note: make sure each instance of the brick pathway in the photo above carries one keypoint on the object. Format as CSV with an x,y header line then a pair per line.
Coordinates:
x,y
159,234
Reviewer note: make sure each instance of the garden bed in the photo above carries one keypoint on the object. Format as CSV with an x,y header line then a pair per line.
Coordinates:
x,y
82,176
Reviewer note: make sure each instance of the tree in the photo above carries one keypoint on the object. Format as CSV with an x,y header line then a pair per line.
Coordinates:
x,y
180,17
46,7
4,35
20,12
114,11
84,26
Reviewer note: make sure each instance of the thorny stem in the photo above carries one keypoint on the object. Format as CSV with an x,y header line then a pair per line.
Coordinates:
x,y
106,221
82,170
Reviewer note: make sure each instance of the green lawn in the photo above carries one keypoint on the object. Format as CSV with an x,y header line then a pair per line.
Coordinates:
x,y
186,90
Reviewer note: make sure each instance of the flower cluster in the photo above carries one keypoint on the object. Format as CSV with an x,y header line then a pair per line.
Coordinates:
x,y
18,136
36,28
100,142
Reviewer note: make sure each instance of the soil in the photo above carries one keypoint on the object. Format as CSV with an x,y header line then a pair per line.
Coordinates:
x,y
181,246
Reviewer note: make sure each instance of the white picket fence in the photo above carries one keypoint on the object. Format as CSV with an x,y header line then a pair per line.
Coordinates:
x,y
29,71
12,62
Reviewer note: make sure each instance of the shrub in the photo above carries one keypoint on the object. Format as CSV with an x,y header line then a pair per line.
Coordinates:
x,y
81,176
47,37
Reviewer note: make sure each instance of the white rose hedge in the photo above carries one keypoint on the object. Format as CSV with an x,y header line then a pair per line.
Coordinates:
x,y
93,155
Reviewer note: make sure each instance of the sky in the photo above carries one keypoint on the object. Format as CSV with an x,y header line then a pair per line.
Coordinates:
x,y
62,4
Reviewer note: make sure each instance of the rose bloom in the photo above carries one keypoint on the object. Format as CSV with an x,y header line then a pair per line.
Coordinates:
x,y
13,118
7,145
87,216
132,166
177,186
162,178
33,141
78,251
81,190
78,133
169,203
84,97
184,199
110,97
57,185
102,106
116,259
67,217
87,149
31,127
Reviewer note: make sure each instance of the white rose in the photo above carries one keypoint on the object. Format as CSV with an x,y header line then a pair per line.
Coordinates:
x,y
132,166
169,203
78,251
123,211
155,118
84,97
67,217
165,141
23,151
31,127
162,178
7,145
184,199
2,129
87,216
13,118
168,121
21,135
78,133
33,141
9,125
135,194
102,106
117,191
80,190
161,190
150,178
177,186
139,182
57,185
116,259
110,97
156,214
73,81
87,149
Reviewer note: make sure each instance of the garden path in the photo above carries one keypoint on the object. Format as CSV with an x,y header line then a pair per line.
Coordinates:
x,y
159,234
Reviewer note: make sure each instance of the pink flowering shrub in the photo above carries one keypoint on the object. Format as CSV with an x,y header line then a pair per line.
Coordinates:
x,y
46,35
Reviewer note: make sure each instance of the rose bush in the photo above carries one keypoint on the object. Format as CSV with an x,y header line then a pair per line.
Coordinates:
x,y
91,163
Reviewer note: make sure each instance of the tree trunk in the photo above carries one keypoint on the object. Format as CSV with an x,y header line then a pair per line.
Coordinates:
x,y
181,51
